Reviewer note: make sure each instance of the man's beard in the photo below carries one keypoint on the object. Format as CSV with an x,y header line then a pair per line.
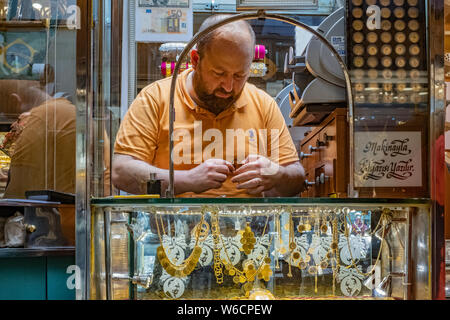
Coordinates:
x,y
210,101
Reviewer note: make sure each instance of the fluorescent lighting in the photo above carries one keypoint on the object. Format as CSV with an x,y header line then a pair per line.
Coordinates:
x,y
37,6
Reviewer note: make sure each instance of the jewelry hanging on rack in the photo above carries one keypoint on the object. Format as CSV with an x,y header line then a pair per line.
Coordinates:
x,y
292,244
248,239
188,265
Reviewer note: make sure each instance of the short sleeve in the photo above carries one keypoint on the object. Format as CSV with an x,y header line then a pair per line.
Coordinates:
x,y
139,130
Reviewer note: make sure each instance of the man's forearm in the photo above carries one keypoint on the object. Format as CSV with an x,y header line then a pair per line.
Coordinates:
x,y
131,175
291,181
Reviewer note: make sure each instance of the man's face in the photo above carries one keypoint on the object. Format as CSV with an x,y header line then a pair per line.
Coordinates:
x,y
220,76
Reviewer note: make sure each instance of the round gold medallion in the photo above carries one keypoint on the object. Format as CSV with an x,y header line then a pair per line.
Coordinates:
x,y
358,62
372,62
401,74
334,245
231,272
386,25
386,62
359,87
358,37
358,25
357,2
324,228
357,13
399,13
414,37
387,74
399,25
371,49
324,264
386,49
413,13
236,279
296,255
400,62
400,49
402,98
401,87
385,13
413,25
358,50
372,73
372,37
302,265
400,37
414,62
385,2
387,86
399,3
386,37
312,270
358,74
414,74
292,245
388,97
414,49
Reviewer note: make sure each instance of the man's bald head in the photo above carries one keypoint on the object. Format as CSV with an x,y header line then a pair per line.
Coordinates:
x,y
238,33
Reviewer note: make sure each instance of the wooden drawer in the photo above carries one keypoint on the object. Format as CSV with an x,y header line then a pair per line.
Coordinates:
x,y
324,155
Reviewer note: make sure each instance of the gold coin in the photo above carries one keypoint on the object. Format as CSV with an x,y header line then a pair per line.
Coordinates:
x,y
401,74
312,270
374,98
402,98
243,240
357,2
416,87
400,49
302,265
401,87
414,37
386,37
387,74
359,87
267,260
357,25
399,25
357,13
358,37
385,13
358,50
292,245
324,264
300,228
358,62
387,86
413,25
386,25
372,62
251,240
414,62
296,255
400,62
414,74
231,272
236,279
400,37
372,49
324,228
399,13
385,2
386,49
412,2
414,49
242,279
372,37
371,2
386,62
388,97
413,13
334,245
399,3
372,73
248,286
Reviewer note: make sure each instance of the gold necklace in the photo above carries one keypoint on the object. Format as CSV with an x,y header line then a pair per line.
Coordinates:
x,y
188,265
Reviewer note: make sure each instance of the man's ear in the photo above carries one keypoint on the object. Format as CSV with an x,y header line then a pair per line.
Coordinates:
x,y
195,58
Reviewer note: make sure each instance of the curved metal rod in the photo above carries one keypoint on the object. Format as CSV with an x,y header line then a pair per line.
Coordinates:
x,y
260,14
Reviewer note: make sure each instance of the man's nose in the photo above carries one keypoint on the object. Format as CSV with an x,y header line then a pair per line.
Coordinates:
x,y
227,83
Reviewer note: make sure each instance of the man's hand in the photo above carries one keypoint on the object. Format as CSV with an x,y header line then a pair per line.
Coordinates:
x,y
209,175
258,174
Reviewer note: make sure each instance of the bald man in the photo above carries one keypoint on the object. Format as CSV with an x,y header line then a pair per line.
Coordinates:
x,y
230,138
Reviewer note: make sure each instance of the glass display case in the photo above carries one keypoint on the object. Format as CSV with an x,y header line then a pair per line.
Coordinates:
x,y
260,249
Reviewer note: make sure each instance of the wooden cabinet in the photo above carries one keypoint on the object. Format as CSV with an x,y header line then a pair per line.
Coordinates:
x,y
324,155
